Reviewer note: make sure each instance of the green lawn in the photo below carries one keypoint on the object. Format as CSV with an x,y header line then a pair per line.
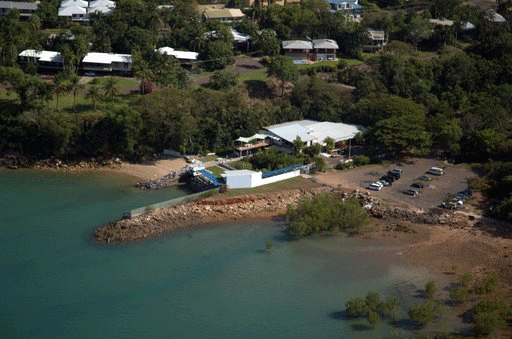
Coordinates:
x,y
216,170
209,158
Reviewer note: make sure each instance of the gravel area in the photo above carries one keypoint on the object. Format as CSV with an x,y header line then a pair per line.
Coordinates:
x,y
452,181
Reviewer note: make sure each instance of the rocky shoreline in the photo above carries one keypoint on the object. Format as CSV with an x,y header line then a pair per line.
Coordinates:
x,y
248,207
17,161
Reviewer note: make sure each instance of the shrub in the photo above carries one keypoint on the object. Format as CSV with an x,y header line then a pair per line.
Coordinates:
x,y
361,160
343,165
372,308
149,210
430,289
223,189
459,294
424,314
489,316
325,212
487,284
268,245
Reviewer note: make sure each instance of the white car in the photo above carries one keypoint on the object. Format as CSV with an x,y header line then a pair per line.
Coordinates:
x,y
374,186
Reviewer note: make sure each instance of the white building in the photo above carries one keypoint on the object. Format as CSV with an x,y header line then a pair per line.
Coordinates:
x,y
79,10
43,59
107,62
180,55
249,179
310,132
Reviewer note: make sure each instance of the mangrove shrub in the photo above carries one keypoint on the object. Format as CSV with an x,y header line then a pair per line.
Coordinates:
x,y
325,212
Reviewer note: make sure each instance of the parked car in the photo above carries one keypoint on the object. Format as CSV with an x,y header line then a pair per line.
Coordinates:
x,y
425,178
396,171
374,187
411,191
394,175
453,204
388,178
418,185
435,171
89,74
384,182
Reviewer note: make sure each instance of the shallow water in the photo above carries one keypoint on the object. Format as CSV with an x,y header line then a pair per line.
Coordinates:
x,y
212,282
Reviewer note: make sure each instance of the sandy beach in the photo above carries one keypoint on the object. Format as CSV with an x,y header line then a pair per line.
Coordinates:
x,y
154,170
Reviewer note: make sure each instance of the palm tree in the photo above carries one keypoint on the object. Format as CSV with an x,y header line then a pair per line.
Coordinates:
x,y
93,94
74,87
143,73
110,87
59,87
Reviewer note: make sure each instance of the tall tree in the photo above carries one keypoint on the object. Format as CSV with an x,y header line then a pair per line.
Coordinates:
x,y
110,86
283,69
142,71
74,87
93,94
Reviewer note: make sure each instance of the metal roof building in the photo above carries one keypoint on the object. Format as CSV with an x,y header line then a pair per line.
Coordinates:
x,y
180,55
311,131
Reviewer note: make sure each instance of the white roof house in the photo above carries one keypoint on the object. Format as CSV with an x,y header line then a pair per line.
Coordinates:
x,y
314,131
104,3
106,58
79,3
325,44
99,9
42,56
297,44
180,55
72,10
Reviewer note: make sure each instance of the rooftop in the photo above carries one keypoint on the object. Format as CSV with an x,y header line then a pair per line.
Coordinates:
x,y
325,43
314,130
180,55
231,13
32,6
297,44
45,56
290,132
106,58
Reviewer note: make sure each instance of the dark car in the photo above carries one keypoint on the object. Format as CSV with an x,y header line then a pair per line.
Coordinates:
x,y
418,185
394,175
388,178
411,191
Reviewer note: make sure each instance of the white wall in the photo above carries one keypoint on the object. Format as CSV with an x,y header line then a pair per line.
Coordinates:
x,y
242,181
254,179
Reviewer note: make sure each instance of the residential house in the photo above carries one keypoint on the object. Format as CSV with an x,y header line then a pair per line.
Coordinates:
x,y
375,40
265,3
302,51
324,49
24,8
248,146
107,63
185,58
224,15
74,11
48,60
79,10
350,7
299,51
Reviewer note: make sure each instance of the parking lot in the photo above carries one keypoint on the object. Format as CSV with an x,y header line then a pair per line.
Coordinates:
x,y
432,195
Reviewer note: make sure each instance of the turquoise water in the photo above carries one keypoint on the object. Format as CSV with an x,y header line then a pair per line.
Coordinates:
x,y
212,282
